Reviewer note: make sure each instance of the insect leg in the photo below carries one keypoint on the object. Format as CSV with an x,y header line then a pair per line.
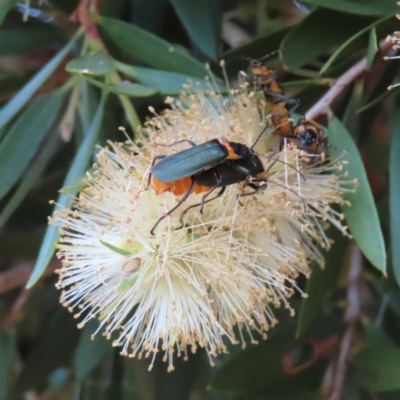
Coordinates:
x,y
184,198
159,157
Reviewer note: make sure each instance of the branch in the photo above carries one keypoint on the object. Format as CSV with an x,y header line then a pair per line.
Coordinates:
x,y
349,76
18,276
82,15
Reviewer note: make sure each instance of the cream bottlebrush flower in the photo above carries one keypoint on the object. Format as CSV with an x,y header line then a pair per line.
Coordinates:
x,y
191,286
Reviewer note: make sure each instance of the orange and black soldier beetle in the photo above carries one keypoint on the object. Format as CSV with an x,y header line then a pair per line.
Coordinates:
x,y
306,132
308,136
265,80
206,167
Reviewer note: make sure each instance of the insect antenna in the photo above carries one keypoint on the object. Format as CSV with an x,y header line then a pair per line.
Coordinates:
x,y
275,160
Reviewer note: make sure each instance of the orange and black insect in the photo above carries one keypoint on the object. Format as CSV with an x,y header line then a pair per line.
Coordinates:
x,y
306,133
203,168
212,165
278,104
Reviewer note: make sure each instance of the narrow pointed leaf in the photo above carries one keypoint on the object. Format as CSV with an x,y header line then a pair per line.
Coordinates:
x,y
394,191
5,6
151,49
168,83
361,216
91,352
25,137
29,179
372,47
262,364
351,120
377,368
374,336
77,169
17,41
383,96
20,99
118,250
371,7
54,348
321,282
197,18
318,34
350,40
125,88
257,47
7,354
92,64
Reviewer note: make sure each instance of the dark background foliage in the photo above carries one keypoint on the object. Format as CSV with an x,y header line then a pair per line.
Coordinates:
x,y
55,75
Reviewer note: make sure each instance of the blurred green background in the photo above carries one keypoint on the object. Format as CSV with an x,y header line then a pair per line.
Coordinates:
x,y
54,73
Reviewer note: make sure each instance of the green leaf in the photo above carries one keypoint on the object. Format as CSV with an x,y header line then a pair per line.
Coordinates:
x,y
20,99
127,283
359,7
90,102
372,47
197,18
257,366
377,368
361,216
118,250
30,178
126,88
76,170
384,95
261,365
306,82
92,64
7,354
151,49
361,32
17,41
256,48
351,119
317,34
394,190
374,336
394,302
25,137
90,352
321,282
380,92
5,6
168,83
53,349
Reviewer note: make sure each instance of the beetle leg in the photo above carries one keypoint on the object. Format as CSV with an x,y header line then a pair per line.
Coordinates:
x,y
244,74
220,193
203,199
159,157
256,189
184,197
218,181
286,100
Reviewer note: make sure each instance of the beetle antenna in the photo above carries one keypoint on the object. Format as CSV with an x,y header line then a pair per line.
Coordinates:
x,y
266,56
259,136
283,162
